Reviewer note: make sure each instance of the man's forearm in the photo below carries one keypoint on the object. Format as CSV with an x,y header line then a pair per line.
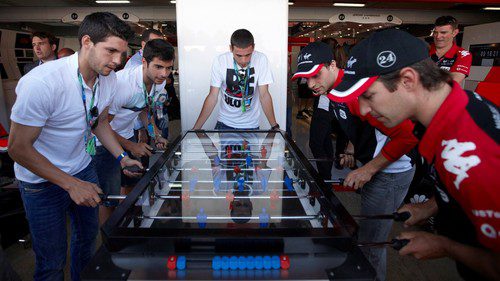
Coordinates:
x,y
267,107
483,261
378,163
125,143
108,139
38,164
208,107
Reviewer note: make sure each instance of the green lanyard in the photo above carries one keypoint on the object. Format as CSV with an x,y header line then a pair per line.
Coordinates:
x,y
243,89
89,139
148,99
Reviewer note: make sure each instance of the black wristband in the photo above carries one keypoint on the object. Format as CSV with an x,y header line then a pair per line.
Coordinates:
x,y
275,127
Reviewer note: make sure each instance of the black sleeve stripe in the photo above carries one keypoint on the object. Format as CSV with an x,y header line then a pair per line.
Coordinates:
x,y
485,114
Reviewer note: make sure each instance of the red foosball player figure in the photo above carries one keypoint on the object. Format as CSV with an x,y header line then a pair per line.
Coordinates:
x,y
229,152
263,152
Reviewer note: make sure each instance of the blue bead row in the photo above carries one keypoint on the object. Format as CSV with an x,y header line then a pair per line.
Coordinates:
x,y
248,262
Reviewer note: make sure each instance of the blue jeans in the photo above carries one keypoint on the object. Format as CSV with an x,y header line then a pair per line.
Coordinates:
x,y
46,207
383,194
223,127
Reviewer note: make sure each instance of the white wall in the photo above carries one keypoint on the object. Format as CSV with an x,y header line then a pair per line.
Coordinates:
x,y
204,29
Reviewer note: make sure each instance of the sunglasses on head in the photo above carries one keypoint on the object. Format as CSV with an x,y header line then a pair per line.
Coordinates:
x,y
94,112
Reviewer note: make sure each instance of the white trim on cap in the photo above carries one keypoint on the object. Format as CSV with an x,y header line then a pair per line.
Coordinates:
x,y
312,70
349,91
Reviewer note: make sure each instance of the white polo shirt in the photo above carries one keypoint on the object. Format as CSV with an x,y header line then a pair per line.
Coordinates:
x,y
50,96
129,99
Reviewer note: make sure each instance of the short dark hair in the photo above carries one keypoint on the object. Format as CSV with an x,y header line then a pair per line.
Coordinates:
x,y
446,20
242,38
43,35
431,76
330,41
158,48
147,33
100,26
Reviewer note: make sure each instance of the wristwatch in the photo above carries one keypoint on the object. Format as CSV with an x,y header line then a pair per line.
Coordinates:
x,y
275,127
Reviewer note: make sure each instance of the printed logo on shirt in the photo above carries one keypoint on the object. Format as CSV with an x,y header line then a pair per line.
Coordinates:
x,y
342,114
464,53
489,231
486,214
443,195
233,94
454,162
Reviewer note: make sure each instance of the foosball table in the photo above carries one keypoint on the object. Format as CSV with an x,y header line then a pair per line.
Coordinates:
x,y
230,205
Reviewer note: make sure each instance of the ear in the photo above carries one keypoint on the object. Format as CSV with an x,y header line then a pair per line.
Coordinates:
x,y
409,78
143,44
333,64
86,42
455,32
230,47
54,47
144,63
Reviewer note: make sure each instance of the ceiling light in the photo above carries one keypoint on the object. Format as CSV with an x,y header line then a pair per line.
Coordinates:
x,y
348,4
491,8
368,30
291,2
379,26
348,28
319,29
112,2
173,1
360,25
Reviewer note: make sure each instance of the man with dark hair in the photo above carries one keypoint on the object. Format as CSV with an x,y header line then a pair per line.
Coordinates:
x,y
386,173
395,80
147,35
65,52
241,77
61,108
445,51
44,46
140,94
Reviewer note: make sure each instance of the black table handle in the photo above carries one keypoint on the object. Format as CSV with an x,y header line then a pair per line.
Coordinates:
x,y
397,244
401,216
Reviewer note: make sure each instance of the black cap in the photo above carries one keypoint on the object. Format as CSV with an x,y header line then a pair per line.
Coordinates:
x,y
381,53
311,59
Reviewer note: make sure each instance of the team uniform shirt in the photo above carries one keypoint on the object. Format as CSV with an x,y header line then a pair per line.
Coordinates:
x,y
50,96
462,142
129,100
370,137
227,79
457,59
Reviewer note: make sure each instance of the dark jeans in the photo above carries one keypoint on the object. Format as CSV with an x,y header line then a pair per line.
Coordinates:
x,y
223,127
46,207
320,141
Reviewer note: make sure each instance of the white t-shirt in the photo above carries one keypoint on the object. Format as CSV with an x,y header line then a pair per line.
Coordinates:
x,y
50,96
225,78
129,99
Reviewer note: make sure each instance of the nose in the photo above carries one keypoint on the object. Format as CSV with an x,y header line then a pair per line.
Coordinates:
x,y
117,58
364,107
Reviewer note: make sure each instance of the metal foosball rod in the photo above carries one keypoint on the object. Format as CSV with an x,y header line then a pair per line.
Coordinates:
x,y
122,197
223,169
233,181
315,217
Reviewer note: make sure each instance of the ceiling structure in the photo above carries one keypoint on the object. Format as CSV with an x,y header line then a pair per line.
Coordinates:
x,y
298,28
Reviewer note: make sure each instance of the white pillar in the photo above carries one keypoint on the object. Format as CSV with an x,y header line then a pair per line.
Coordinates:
x,y
204,30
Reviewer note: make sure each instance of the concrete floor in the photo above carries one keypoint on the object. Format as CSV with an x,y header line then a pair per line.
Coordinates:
x,y
399,268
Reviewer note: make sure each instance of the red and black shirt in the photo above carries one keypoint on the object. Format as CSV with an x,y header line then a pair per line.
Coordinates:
x,y
457,59
462,142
